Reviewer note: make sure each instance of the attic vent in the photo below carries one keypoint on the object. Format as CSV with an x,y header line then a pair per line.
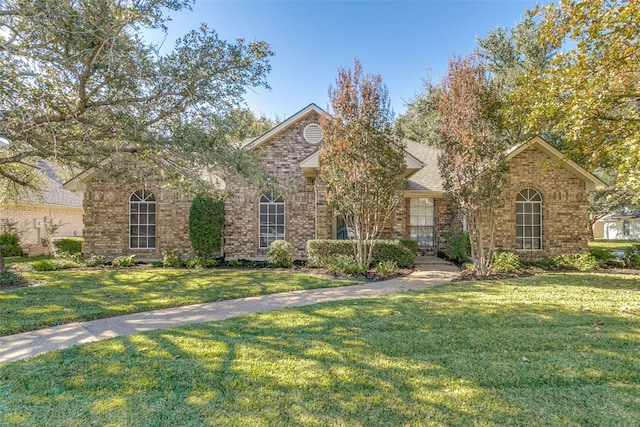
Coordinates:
x,y
313,133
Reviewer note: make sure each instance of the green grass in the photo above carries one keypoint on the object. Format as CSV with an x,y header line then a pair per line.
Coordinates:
x,y
554,349
69,296
612,244
25,259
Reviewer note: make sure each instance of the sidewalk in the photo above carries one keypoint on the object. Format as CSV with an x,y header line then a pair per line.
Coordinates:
x,y
430,271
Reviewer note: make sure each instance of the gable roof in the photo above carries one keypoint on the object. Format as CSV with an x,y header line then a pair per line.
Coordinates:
x,y
285,124
591,181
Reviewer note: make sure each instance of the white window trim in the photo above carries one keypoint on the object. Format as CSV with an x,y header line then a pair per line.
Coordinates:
x,y
541,225
147,247
433,226
284,217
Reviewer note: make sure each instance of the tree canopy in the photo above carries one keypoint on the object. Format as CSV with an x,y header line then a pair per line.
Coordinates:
x,y
81,86
590,92
362,162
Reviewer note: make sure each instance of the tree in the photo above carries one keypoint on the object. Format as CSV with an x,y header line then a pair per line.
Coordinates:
x,y
474,143
591,91
81,86
421,121
362,162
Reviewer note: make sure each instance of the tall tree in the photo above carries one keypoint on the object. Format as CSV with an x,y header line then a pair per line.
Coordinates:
x,y
81,86
474,143
362,162
591,92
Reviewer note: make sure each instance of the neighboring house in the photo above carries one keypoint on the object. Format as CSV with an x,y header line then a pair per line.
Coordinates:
x,y
545,212
39,217
618,226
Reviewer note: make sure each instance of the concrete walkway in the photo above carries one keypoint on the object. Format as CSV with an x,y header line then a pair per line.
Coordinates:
x,y
430,271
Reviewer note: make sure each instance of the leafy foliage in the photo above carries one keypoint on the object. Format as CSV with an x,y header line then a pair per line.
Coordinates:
x,y
344,264
506,261
631,257
581,262
55,264
590,91
474,141
171,258
124,261
206,226
402,252
96,261
421,121
69,245
362,161
281,254
81,85
9,279
10,244
386,268
457,246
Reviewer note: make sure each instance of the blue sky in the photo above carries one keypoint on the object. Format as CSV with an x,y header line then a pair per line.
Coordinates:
x,y
401,40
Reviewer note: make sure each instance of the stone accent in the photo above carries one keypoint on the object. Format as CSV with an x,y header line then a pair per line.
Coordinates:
x,y
106,221
565,223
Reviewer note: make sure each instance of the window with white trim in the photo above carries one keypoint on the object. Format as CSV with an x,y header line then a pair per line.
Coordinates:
x,y
626,228
421,220
272,219
529,220
142,220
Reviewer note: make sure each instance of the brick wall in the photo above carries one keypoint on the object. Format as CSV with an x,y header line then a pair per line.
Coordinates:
x,y
282,155
35,223
565,223
106,221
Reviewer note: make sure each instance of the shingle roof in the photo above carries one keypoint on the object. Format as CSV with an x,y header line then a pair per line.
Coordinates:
x,y
428,178
51,191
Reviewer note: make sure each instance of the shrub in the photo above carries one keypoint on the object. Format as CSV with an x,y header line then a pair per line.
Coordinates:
x,y
631,257
386,268
582,262
206,224
402,252
55,264
602,254
10,244
458,245
70,245
281,254
124,261
234,263
506,261
171,258
344,264
9,279
96,261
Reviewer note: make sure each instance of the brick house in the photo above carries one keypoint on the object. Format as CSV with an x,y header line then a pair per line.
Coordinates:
x,y
545,213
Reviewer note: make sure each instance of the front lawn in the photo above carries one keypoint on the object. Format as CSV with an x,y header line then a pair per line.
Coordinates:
x,y
69,296
612,244
554,349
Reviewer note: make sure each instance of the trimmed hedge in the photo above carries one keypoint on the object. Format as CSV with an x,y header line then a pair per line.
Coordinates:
x,y
69,245
402,252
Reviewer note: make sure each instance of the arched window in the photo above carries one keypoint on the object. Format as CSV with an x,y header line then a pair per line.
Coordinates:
x,y
271,219
529,220
626,227
142,220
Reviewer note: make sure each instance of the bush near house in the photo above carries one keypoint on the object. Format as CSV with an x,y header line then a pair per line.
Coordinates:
x,y
69,245
206,224
10,244
402,252
281,254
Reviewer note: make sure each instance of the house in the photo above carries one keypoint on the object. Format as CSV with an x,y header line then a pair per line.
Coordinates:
x,y
545,213
37,218
618,226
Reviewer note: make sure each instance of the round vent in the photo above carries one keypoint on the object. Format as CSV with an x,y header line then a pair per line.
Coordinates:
x,y
313,133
